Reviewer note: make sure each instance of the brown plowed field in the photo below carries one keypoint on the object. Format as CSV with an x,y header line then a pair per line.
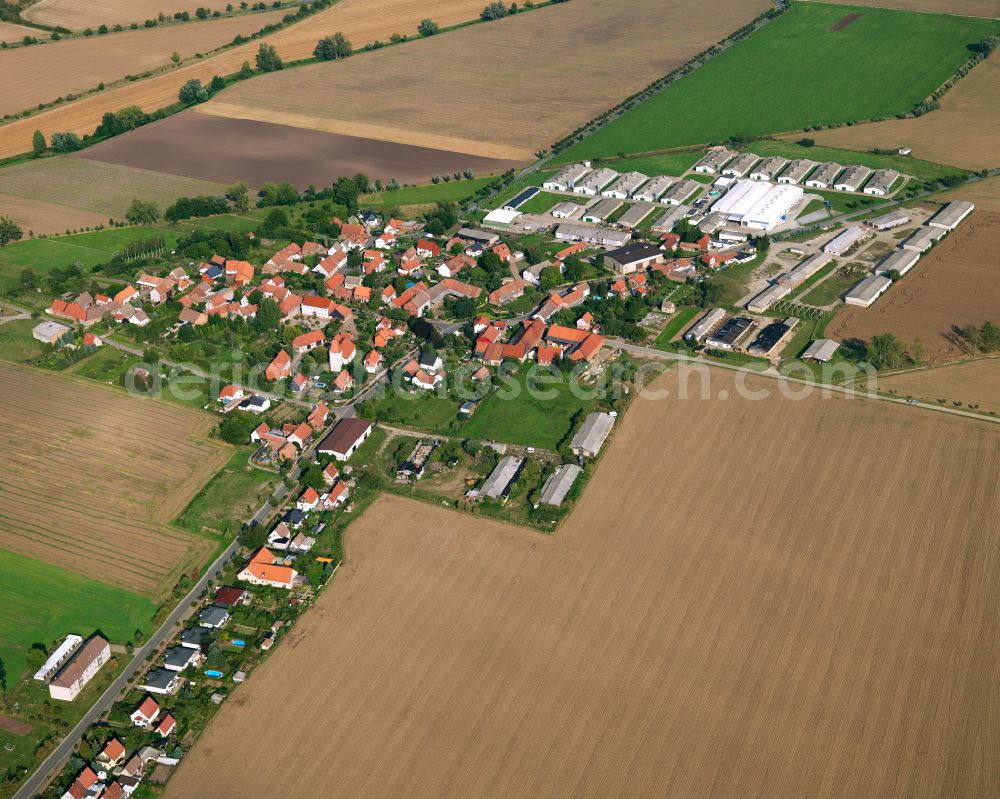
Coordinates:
x,y
41,73
771,599
976,383
966,8
551,70
80,14
91,477
956,283
228,150
962,132
41,217
91,187
362,21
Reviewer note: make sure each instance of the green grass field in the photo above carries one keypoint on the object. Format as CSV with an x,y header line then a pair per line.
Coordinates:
x,y
16,342
539,204
425,194
830,290
794,73
42,603
513,415
681,319
674,164
421,411
229,498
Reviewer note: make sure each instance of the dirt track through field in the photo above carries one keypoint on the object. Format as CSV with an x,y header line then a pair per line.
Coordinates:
x,y
753,599
962,132
42,73
552,70
258,151
91,477
362,21
956,283
972,384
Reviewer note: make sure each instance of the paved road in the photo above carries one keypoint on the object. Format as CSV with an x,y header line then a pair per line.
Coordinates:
x,y
57,759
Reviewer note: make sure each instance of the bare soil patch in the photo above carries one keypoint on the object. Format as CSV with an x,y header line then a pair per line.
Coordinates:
x,y
962,132
362,21
956,283
38,216
561,66
92,187
227,150
711,633
81,14
972,384
42,73
91,477
14,726
843,23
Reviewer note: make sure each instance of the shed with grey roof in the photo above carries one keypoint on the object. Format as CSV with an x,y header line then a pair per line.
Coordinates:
x,y
868,290
852,178
705,325
592,434
951,216
796,171
633,216
901,261
740,165
558,485
768,168
566,178
626,185
844,240
768,297
881,182
653,190
608,237
680,192
666,221
601,210
595,181
824,175
888,221
822,350
564,210
714,161
804,270
501,477
922,239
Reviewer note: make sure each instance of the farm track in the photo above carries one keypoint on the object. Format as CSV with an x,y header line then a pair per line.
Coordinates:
x,y
826,630
362,21
101,477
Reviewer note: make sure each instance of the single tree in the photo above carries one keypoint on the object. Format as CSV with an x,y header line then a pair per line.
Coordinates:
x,y
332,48
65,142
239,195
495,10
192,92
427,27
9,231
38,145
142,212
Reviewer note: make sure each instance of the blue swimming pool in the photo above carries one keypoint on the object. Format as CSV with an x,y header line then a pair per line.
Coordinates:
x,y
238,642
213,673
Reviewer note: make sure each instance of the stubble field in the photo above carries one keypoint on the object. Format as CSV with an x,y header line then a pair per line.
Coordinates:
x,y
552,69
362,21
81,14
91,477
41,73
962,132
87,189
956,283
973,384
12,32
971,8
822,627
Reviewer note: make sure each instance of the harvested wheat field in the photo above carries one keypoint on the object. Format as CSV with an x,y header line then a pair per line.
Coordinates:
x,y
984,193
42,73
259,151
90,187
962,132
569,65
695,629
362,21
12,32
965,8
956,283
975,385
43,217
91,477
81,14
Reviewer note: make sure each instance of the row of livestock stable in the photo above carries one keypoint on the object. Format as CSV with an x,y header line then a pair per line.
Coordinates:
x,y
760,337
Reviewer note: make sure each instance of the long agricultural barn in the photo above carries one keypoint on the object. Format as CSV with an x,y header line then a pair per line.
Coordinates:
x,y
608,237
653,190
796,171
821,350
922,239
901,261
888,221
633,258
770,337
633,216
592,434
804,270
564,210
844,240
714,161
951,216
852,178
595,182
824,176
601,210
666,221
868,290
680,192
558,485
566,178
881,182
758,206
768,297
521,199
501,477
705,324
768,168
729,335
626,185
741,165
